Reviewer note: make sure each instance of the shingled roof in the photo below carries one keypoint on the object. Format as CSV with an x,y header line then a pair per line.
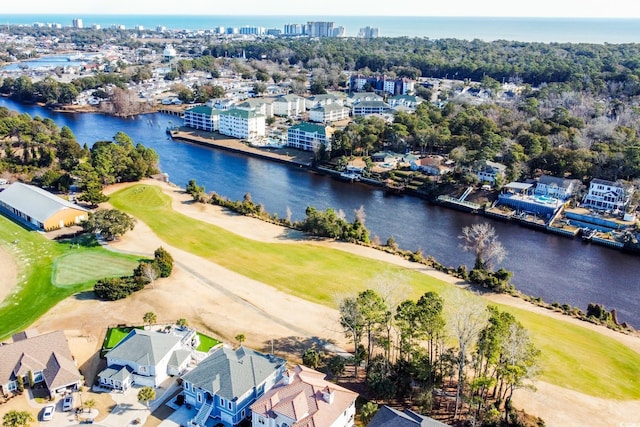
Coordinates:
x,y
144,347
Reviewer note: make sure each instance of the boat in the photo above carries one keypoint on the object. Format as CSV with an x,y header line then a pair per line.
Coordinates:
x,y
588,233
349,176
76,57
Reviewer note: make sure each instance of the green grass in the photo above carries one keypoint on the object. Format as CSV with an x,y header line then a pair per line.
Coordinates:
x,y
79,267
572,356
206,343
35,293
114,336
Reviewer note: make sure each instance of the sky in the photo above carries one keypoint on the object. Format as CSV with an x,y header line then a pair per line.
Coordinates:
x,y
505,8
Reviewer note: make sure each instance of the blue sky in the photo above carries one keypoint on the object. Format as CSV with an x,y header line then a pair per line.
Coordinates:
x,y
538,8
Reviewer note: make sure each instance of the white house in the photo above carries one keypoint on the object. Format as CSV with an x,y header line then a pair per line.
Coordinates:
x,y
488,171
288,105
225,384
146,358
242,124
607,196
309,136
329,113
304,398
559,188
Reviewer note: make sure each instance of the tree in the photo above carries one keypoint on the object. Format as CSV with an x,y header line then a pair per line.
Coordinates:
x,y
16,418
466,318
146,394
182,322
111,223
240,338
89,403
149,272
163,262
311,358
482,241
150,318
367,412
335,366
352,321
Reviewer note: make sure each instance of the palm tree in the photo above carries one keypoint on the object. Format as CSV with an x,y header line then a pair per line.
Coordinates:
x,y
367,412
150,318
240,338
146,394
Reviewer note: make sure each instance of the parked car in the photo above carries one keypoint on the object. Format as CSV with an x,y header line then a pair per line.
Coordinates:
x,y
47,412
67,403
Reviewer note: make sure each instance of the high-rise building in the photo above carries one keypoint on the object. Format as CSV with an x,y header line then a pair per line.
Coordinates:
x,y
369,32
77,23
293,30
319,29
96,26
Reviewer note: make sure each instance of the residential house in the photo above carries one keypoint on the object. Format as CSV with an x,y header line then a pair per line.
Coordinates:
x,y
389,417
225,384
432,165
309,136
322,100
242,124
559,188
329,113
288,105
202,118
39,359
604,196
366,108
303,398
488,171
147,358
39,208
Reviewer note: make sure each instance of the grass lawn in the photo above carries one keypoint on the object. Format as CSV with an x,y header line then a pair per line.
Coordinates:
x,y
114,336
35,293
206,343
572,356
80,266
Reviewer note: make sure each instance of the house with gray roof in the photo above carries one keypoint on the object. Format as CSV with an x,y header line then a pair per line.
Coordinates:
x,y
329,113
288,105
38,359
367,108
225,384
38,208
559,188
389,417
146,358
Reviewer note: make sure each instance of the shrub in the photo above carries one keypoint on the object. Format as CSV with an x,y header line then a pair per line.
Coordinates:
x,y
164,262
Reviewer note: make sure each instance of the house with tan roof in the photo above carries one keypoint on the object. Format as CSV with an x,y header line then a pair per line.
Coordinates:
x,y
387,416
303,398
36,359
38,208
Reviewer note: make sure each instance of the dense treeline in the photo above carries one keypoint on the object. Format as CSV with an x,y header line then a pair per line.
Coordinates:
x,y
37,151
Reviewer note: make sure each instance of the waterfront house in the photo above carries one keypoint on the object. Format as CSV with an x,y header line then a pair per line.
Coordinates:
x,y
309,136
559,188
42,360
329,113
225,384
390,417
39,208
304,398
288,105
431,165
242,124
147,358
202,118
607,196
488,171
367,108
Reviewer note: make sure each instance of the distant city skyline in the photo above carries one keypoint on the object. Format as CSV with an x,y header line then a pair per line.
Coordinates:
x,y
487,8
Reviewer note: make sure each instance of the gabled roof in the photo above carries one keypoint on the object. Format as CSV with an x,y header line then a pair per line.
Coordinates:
x,y
47,352
200,109
305,397
243,114
35,202
330,107
371,104
552,180
144,347
178,357
594,181
116,373
309,128
231,373
389,417
288,98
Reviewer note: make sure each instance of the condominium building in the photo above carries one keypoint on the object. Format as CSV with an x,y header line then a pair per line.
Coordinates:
x,y
309,136
328,113
319,29
242,124
202,118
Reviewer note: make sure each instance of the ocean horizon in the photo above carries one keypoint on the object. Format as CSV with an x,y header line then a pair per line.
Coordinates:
x,y
544,30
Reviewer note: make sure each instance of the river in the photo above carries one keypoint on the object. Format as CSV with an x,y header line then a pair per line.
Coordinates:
x,y
555,268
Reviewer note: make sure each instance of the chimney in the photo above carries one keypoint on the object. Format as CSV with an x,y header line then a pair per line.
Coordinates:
x,y
328,395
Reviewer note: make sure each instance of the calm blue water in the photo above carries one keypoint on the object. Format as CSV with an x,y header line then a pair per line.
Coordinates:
x,y
552,267
548,30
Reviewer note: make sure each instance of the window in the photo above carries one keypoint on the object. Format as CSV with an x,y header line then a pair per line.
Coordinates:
x,y
13,386
199,398
187,386
243,413
229,406
222,402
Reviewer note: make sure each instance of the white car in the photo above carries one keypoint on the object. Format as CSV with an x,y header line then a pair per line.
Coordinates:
x,y
47,412
67,403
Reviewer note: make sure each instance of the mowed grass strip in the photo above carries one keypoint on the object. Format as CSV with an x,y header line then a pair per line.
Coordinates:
x,y
572,357
82,266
